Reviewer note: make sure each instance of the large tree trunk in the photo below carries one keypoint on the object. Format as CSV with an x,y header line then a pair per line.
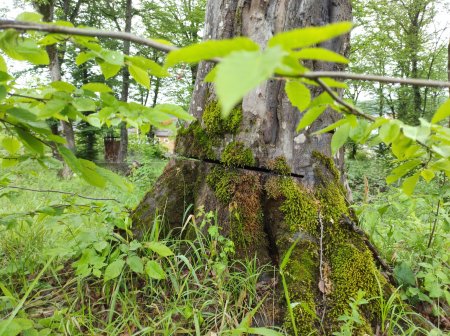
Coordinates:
x,y
270,185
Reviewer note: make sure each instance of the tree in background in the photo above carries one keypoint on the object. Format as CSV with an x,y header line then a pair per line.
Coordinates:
x,y
399,39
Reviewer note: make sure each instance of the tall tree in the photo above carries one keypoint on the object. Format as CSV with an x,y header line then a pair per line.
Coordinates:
x,y
272,186
398,38
123,149
47,9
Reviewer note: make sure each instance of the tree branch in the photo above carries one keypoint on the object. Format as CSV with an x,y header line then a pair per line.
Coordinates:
x,y
50,28
63,193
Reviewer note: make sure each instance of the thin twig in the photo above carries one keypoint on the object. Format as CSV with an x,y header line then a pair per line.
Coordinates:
x,y
351,109
51,28
62,192
27,97
436,217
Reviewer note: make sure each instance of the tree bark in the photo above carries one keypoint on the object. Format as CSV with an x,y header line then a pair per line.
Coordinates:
x,y
47,11
123,149
270,185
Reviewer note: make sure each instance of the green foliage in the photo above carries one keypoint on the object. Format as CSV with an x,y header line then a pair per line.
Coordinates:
x,y
216,125
236,154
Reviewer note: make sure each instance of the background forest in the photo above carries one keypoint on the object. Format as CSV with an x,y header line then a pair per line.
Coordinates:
x,y
69,263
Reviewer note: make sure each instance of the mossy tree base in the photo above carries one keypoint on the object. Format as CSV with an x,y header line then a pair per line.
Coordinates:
x,y
264,214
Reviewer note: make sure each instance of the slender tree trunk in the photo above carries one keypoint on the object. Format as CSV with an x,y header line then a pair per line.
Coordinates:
x,y
277,186
47,10
123,149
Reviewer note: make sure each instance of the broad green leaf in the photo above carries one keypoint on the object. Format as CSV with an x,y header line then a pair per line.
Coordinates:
x,y
243,71
12,145
52,107
402,170
310,116
210,49
84,104
333,126
159,248
140,75
340,137
115,179
290,67
112,57
174,110
416,133
144,63
389,132
108,70
298,94
320,54
63,86
30,141
428,175
323,99
91,173
3,66
83,57
409,184
3,92
15,326
334,83
29,16
96,87
404,274
136,264
21,49
114,269
154,270
442,150
21,114
306,37
442,112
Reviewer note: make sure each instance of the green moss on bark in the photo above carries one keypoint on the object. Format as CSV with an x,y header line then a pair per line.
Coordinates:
x,y
216,125
194,141
236,154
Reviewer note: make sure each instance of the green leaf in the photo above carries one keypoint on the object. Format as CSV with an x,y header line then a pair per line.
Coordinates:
x,y
402,170
159,248
428,175
83,57
305,37
140,75
320,54
15,326
21,114
63,86
389,132
12,145
90,172
409,184
310,116
416,133
154,270
52,107
136,264
174,110
114,179
84,104
404,274
298,94
30,141
340,137
442,112
3,92
29,17
21,49
243,71
109,70
112,57
210,49
114,269
96,87
144,63
3,66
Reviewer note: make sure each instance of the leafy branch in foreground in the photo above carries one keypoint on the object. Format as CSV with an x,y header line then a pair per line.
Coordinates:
x,y
422,151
